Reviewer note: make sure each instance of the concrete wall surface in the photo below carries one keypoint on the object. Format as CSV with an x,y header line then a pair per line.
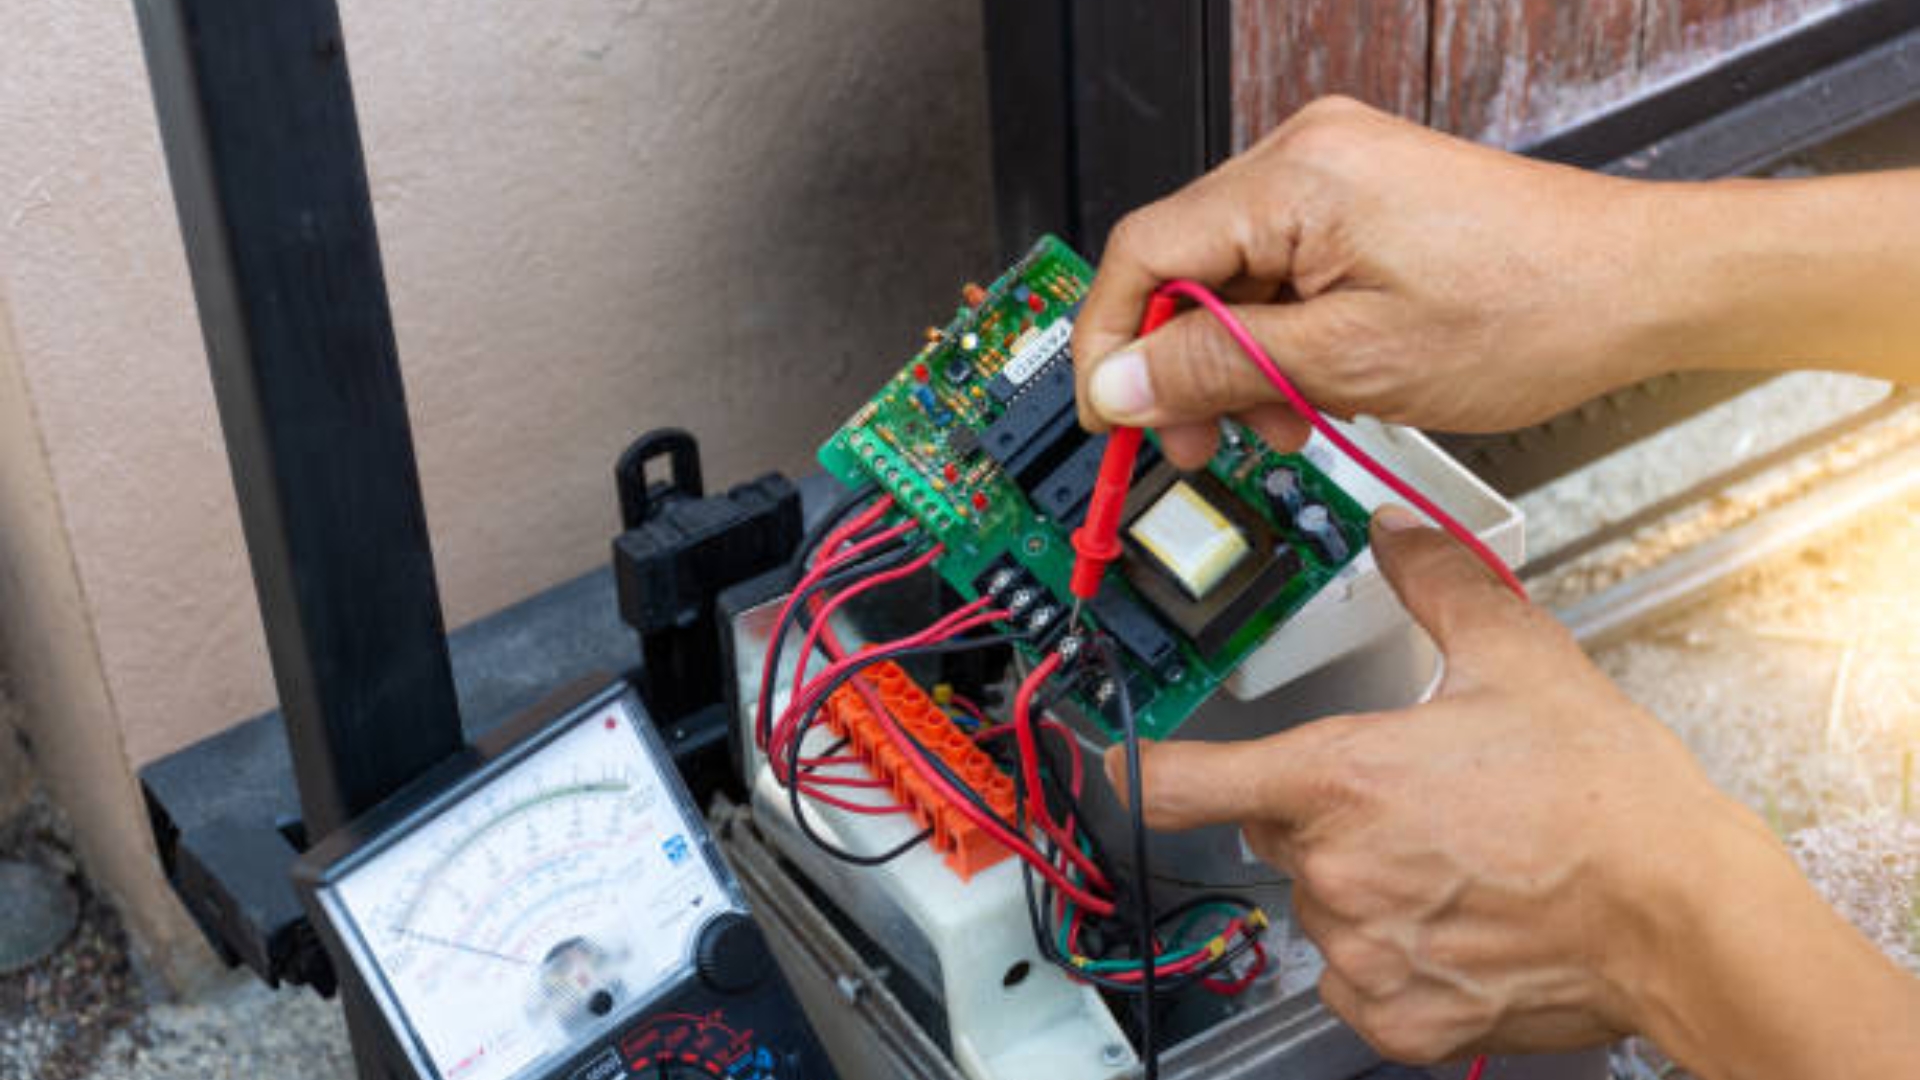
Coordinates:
x,y
598,216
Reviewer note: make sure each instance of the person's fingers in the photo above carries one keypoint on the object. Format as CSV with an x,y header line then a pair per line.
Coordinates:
x,y
1200,232
1283,778
1274,844
1281,427
1248,289
1190,446
1191,369
1442,585
1343,998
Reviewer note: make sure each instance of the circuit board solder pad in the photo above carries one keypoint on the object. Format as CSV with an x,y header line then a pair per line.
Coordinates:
x,y
977,439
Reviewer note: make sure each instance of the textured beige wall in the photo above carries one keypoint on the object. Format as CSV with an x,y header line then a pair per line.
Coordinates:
x,y
597,215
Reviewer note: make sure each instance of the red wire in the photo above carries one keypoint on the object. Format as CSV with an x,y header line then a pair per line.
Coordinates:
x,y
801,699
1250,345
834,539
1023,729
824,613
810,792
987,822
1240,985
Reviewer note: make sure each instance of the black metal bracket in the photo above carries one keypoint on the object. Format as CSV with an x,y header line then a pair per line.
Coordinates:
x,y
679,551
640,496
256,116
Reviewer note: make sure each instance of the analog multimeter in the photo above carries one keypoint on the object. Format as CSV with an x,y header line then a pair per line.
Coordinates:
x,y
548,905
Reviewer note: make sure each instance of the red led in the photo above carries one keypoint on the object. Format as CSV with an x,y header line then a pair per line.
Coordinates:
x,y
1034,302
920,373
952,472
612,723
980,501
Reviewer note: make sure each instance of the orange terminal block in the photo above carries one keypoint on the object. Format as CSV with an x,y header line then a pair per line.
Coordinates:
x,y
967,847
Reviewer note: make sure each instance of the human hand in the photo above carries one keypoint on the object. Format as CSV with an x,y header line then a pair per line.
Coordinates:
x,y
1390,270
1487,870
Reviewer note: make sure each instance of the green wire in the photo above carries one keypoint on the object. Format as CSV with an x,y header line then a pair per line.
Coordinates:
x,y
1102,967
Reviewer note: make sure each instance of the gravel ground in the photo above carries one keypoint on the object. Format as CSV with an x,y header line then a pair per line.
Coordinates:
x,y
57,1016
1794,686
87,1014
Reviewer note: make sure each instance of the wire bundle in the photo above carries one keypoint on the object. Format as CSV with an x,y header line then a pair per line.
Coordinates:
x,y
1079,920
1081,923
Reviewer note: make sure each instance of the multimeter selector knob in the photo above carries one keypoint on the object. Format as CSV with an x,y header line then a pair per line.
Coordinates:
x,y
732,955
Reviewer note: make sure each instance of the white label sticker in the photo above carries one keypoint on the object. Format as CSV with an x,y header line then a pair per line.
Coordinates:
x,y
1035,353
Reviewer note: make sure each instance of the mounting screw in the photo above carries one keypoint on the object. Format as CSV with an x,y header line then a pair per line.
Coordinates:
x,y
849,988
1113,1055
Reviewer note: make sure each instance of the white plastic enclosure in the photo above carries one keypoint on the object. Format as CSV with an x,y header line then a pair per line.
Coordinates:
x,y
1358,607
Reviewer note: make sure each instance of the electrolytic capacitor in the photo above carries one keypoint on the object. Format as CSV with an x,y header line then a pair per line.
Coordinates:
x,y
1284,494
1316,523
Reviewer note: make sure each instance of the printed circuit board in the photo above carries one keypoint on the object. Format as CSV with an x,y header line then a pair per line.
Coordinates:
x,y
978,439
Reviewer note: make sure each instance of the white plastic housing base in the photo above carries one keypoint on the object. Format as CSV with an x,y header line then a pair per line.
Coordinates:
x,y
1038,1025
1011,1015
1358,607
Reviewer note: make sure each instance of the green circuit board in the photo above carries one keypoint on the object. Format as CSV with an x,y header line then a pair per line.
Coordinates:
x,y
970,439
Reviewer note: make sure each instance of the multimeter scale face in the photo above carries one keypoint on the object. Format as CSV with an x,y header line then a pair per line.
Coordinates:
x,y
521,921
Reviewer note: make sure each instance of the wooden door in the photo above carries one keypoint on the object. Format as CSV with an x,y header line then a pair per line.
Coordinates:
x,y
1499,71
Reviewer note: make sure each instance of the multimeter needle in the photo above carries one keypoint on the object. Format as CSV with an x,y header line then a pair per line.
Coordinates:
x,y
449,943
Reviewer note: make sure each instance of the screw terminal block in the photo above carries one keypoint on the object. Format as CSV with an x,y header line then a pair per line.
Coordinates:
x,y
967,847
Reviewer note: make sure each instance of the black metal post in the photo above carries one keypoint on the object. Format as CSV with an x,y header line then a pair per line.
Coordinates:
x,y
257,119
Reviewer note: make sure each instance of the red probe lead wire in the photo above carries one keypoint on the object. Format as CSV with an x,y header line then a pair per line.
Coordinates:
x,y
1097,543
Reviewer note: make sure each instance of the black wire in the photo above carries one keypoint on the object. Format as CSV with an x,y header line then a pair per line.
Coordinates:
x,y
1142,883
1097,928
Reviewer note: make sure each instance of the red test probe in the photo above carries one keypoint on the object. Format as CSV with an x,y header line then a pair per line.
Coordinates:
x,y
1096,543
